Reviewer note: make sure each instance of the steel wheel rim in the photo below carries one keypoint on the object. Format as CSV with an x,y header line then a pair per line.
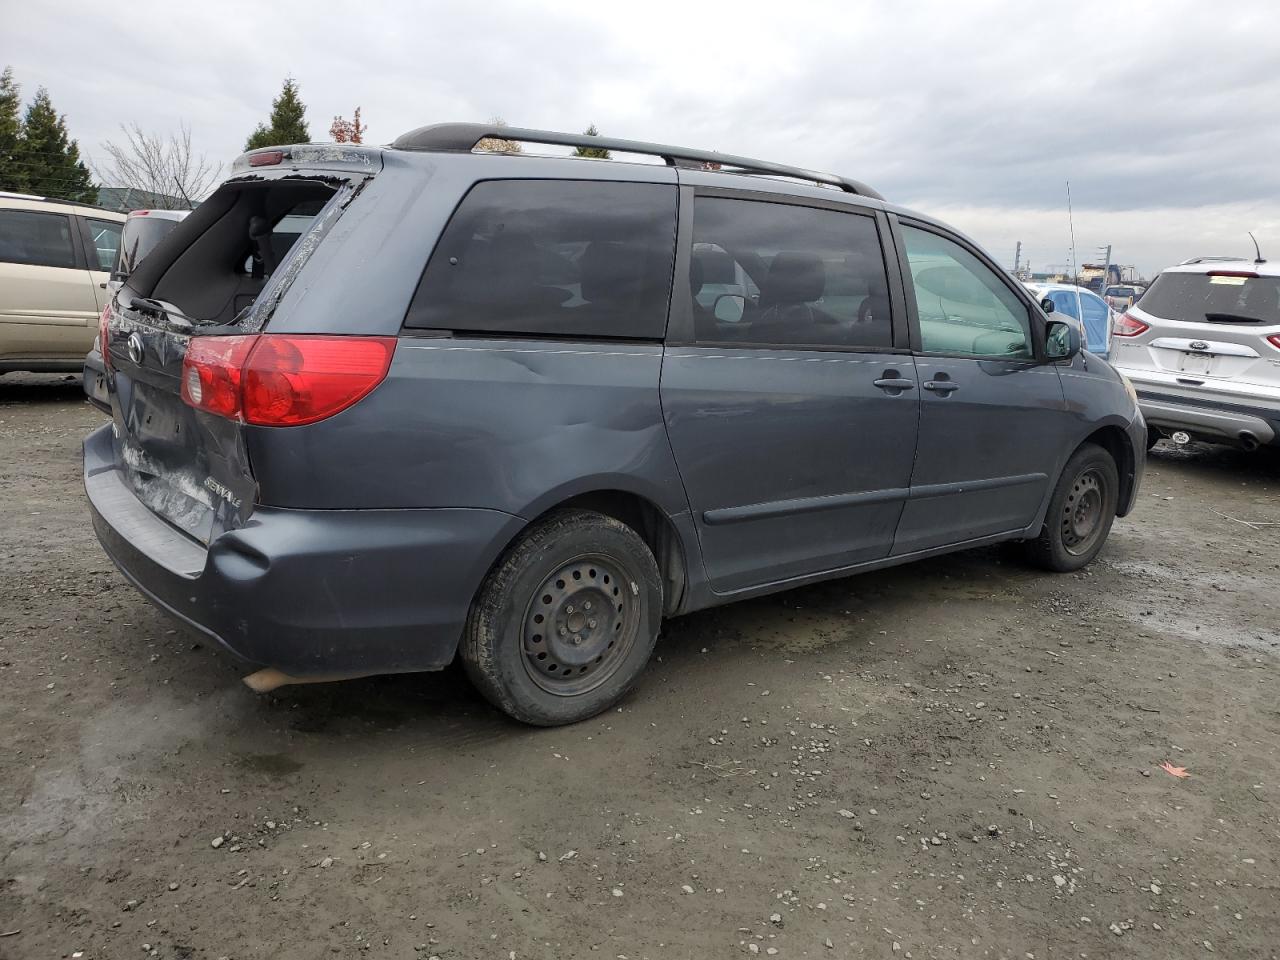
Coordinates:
x,y
580,625
1082,519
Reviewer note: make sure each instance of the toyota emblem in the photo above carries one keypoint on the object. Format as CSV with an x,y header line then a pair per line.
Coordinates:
x,y
1199,345
136,349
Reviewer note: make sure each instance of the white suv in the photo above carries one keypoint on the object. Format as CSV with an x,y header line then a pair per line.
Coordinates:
x,y
1202,349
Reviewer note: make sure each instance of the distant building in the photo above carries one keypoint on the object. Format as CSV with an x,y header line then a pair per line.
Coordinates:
x,y
125,199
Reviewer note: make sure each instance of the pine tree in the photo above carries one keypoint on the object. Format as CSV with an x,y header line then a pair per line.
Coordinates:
x,y
13,172
594,153
288,121
50,158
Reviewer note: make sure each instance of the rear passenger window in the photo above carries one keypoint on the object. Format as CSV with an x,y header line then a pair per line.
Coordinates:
x,y
561,258
964,307
38,239
781,275
105,237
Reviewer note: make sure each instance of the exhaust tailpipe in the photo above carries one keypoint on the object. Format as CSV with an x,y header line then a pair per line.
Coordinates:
x,y
269,678
1249,441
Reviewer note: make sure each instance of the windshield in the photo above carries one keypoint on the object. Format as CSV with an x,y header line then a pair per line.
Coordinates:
x,y
1214,298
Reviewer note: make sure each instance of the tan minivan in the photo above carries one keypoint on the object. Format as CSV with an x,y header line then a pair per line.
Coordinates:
x,y
55,260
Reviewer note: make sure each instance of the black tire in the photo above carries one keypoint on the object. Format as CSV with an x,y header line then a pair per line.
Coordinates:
x,y
1080,513
535,644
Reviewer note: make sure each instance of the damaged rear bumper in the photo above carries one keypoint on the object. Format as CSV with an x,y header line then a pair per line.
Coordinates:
x,y
310,592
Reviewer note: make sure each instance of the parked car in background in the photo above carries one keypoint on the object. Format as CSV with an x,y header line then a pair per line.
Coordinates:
x,y
359,426
1121,298
143,230
55,260
1202,348
1086,307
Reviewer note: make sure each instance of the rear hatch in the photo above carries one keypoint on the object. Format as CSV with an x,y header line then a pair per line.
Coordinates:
x,y
1216,328
207,289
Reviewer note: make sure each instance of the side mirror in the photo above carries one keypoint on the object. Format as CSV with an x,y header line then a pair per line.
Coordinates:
x,y
730,307
1046,305
1062,340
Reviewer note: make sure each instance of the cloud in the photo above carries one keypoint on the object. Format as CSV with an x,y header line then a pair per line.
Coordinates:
x,y
1160,114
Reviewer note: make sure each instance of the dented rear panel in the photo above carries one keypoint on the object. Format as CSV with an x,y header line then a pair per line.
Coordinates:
x,y
220,273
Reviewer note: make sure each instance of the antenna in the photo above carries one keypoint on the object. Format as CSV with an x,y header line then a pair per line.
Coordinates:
x,y
178,184
1075,272
1256,248
1071,225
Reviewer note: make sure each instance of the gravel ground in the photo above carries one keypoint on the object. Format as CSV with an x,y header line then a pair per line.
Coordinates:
x,y
959,758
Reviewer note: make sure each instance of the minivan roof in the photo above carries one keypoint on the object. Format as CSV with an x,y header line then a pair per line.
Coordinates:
x,y
463,137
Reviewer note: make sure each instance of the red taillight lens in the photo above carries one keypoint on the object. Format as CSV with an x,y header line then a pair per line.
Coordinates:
x,y
104,335
295,380
282,381
1127,325
211,373
1274,340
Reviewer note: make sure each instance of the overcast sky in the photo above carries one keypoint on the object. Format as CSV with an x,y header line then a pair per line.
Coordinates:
x,y
1164,116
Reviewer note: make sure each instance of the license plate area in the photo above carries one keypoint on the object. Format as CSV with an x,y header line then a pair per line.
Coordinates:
x,y
1196,363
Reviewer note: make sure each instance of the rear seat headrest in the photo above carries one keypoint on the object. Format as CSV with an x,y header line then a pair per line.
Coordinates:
x,y
795,278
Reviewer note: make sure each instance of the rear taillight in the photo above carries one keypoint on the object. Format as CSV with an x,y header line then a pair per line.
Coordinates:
x,y
1274,340
282,381
212,373
104,335
1127,325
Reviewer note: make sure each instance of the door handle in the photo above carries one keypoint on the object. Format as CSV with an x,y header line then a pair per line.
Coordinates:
x,y
942,386
895,383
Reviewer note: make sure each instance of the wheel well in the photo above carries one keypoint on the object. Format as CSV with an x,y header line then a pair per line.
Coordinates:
x,y
1116,442
655,528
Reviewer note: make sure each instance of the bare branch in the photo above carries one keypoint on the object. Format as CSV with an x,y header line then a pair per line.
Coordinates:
x,y
163,168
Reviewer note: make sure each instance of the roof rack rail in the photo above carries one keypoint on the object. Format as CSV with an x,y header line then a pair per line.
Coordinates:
x,y
1185,263
463,137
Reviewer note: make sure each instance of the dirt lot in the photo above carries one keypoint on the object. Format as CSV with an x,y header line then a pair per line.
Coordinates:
x,y
955,759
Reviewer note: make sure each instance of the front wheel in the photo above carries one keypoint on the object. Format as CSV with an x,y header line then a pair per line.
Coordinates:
x,y
1080,512
563,625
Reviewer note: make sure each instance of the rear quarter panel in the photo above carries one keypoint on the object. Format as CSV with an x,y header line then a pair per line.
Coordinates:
x,y
511,425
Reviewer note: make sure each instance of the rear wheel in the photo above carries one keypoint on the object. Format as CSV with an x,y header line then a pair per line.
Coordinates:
x,y
1080,513
563,625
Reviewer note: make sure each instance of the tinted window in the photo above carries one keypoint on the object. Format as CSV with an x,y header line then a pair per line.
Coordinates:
x,y
140,236
105,243
553,257
963,305
770,273
40,239
1220,298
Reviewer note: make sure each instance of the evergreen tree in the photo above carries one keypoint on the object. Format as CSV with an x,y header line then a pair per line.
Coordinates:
x,y
595,153
288,121
13,171
50,158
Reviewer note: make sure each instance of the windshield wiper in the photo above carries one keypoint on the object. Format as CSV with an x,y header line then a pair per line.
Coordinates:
x,y
1231,318
171,313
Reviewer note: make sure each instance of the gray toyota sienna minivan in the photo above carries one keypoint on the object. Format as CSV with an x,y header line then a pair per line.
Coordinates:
x,y
372,408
